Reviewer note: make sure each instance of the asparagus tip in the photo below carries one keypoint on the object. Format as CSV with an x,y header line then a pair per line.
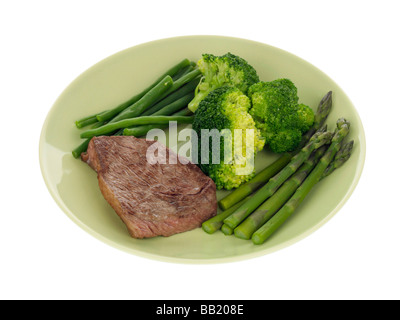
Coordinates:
x,y
327,97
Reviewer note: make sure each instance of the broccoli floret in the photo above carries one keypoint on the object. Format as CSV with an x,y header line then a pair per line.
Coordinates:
x,y
306,117
277,114
219,71
227,108
286,140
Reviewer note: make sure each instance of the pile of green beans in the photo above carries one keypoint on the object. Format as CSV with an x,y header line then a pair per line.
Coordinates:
x,y
165,100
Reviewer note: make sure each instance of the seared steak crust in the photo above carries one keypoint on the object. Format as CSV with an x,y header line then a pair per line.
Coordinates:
x,y
151,199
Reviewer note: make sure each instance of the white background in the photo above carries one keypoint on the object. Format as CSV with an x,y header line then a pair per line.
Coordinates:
x,y
46,44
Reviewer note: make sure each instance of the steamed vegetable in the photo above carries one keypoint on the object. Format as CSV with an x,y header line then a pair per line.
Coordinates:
x,y
226,108
84,145
262,234
215,223
226,230
173,71
276,112
114,126
323,110
265,211
142,130
152,96
168,95
173,97
86,121
318,140
219,71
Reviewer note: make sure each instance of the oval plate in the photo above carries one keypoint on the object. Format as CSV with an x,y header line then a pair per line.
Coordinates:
x,y
74,186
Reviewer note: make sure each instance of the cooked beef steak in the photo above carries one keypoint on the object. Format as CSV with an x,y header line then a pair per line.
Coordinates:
x,y
151,199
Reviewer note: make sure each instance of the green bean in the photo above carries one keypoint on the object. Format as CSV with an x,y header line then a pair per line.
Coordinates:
x,y
119,132
182,72
113,126
146,101
80,149
115,111
140,131
86,121
175,106
184,90
182,81
183,112
84,145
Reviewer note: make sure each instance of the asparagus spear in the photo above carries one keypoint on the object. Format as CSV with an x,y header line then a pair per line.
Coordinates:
x,y
215,223
261,178
111,127
226,230
104,116
256,182
316,141
341,157
262,234
264,212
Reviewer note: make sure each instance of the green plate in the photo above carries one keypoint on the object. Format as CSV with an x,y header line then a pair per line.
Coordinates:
x,y
74,186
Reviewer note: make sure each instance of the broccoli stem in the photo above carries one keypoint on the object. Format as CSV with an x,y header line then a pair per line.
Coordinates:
x,y
263,233
317,140
105,116
265,211
199,96
323,110
113,126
